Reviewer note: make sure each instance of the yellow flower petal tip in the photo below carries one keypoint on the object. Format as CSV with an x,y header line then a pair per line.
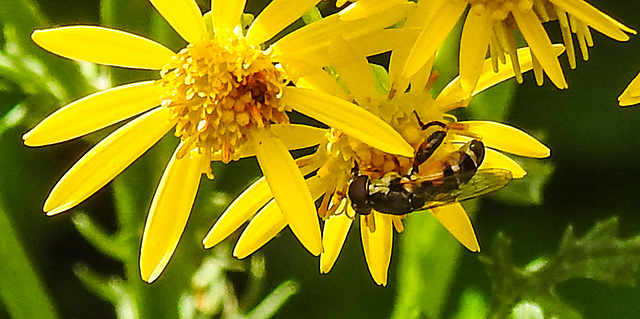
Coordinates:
x,y
631,94
52,210
508,139
628,100
289,189
149,273
456,221
474,248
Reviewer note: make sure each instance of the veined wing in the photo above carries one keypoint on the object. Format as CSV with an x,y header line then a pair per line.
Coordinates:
x,y
482,182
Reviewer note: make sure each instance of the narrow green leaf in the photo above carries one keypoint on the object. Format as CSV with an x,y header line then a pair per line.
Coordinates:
x,y
22,291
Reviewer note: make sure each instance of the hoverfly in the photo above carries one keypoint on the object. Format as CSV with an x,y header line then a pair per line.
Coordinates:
x,y
458,179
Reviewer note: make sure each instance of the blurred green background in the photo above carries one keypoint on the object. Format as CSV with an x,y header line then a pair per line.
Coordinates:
x,y
594,147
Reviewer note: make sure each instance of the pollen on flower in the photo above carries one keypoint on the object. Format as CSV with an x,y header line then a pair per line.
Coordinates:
x,y
347,156
218,91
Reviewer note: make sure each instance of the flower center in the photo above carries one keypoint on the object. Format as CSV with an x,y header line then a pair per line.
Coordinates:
x,y
218,91
500,9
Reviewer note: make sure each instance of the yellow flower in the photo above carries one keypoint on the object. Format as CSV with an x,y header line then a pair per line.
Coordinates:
x,y
336,158
490,24
227,98
631,95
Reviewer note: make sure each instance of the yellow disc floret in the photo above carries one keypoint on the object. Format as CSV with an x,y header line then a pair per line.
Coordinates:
x,y
218,91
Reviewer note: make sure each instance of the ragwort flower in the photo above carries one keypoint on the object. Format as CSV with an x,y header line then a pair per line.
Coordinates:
x,y
223,94
335,159
490,24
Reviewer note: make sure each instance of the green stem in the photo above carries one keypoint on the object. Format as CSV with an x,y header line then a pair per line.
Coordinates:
x,y
428,263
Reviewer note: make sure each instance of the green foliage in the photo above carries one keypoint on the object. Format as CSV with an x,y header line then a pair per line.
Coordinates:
x,y
428,259
212,293
472,305
599,255
528,190
22,291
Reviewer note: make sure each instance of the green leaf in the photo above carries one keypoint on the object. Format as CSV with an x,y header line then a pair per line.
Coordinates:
x,y
599,255
381,78
312,15
22,291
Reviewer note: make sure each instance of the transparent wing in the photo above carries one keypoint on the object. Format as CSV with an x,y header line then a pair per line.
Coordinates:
x,y
482,182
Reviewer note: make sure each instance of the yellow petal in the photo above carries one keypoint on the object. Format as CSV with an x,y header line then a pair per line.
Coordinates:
x,y
453,94
420,17
107,159
384,40
247,204
240,210
489,78
266,225
495,159
94,112
348,118
353,68
473,46
595,18
275,17
104,46
319,35
168,214
293,136
297,136
226,14
565,28
631,95
184,16
433,35
289,189
539,42
455,220
333,237
362,9
508,139
377,246
306,75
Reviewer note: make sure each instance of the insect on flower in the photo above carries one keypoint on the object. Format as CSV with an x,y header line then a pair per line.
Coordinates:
x,y
457,179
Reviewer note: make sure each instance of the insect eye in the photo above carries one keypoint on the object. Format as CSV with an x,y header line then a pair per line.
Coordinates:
x,y
477,147
358,194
